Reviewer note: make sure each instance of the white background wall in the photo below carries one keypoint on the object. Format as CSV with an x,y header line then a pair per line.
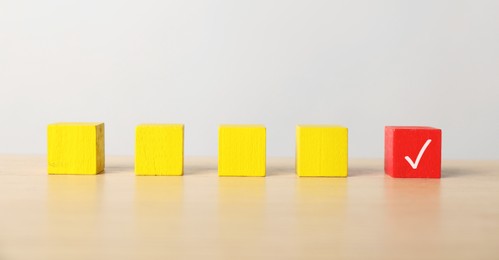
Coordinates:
x,y
363,63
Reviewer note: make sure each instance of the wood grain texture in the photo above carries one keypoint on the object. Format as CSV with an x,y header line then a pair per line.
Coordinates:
x,y
321,151
421,145
368,215
159,149
75,148
241,150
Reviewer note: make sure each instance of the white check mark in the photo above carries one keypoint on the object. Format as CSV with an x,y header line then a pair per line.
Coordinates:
x,y
415,164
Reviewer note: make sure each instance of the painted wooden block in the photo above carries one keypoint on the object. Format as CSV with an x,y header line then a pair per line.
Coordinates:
x,y
413,152
75,148
241,150
321,151
159,149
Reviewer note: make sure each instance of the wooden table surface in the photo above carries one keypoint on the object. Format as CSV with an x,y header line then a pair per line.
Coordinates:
x,y
368,215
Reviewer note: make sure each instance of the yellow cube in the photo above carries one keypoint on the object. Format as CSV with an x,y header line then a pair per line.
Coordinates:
x,y
75,148
159,149
241,150
321,150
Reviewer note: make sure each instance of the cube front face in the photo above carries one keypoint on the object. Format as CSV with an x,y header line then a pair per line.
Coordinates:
x,y
159,149
321,151
241,150
413,152
75,148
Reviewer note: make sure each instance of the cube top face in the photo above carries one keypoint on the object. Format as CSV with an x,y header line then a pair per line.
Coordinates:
x,y
411,128
75,148
251,126
159,149
241,150
320,127
413,152
321,151
77,124
156,125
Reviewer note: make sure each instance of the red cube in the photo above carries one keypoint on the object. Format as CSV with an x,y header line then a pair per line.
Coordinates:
x,y
413,151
